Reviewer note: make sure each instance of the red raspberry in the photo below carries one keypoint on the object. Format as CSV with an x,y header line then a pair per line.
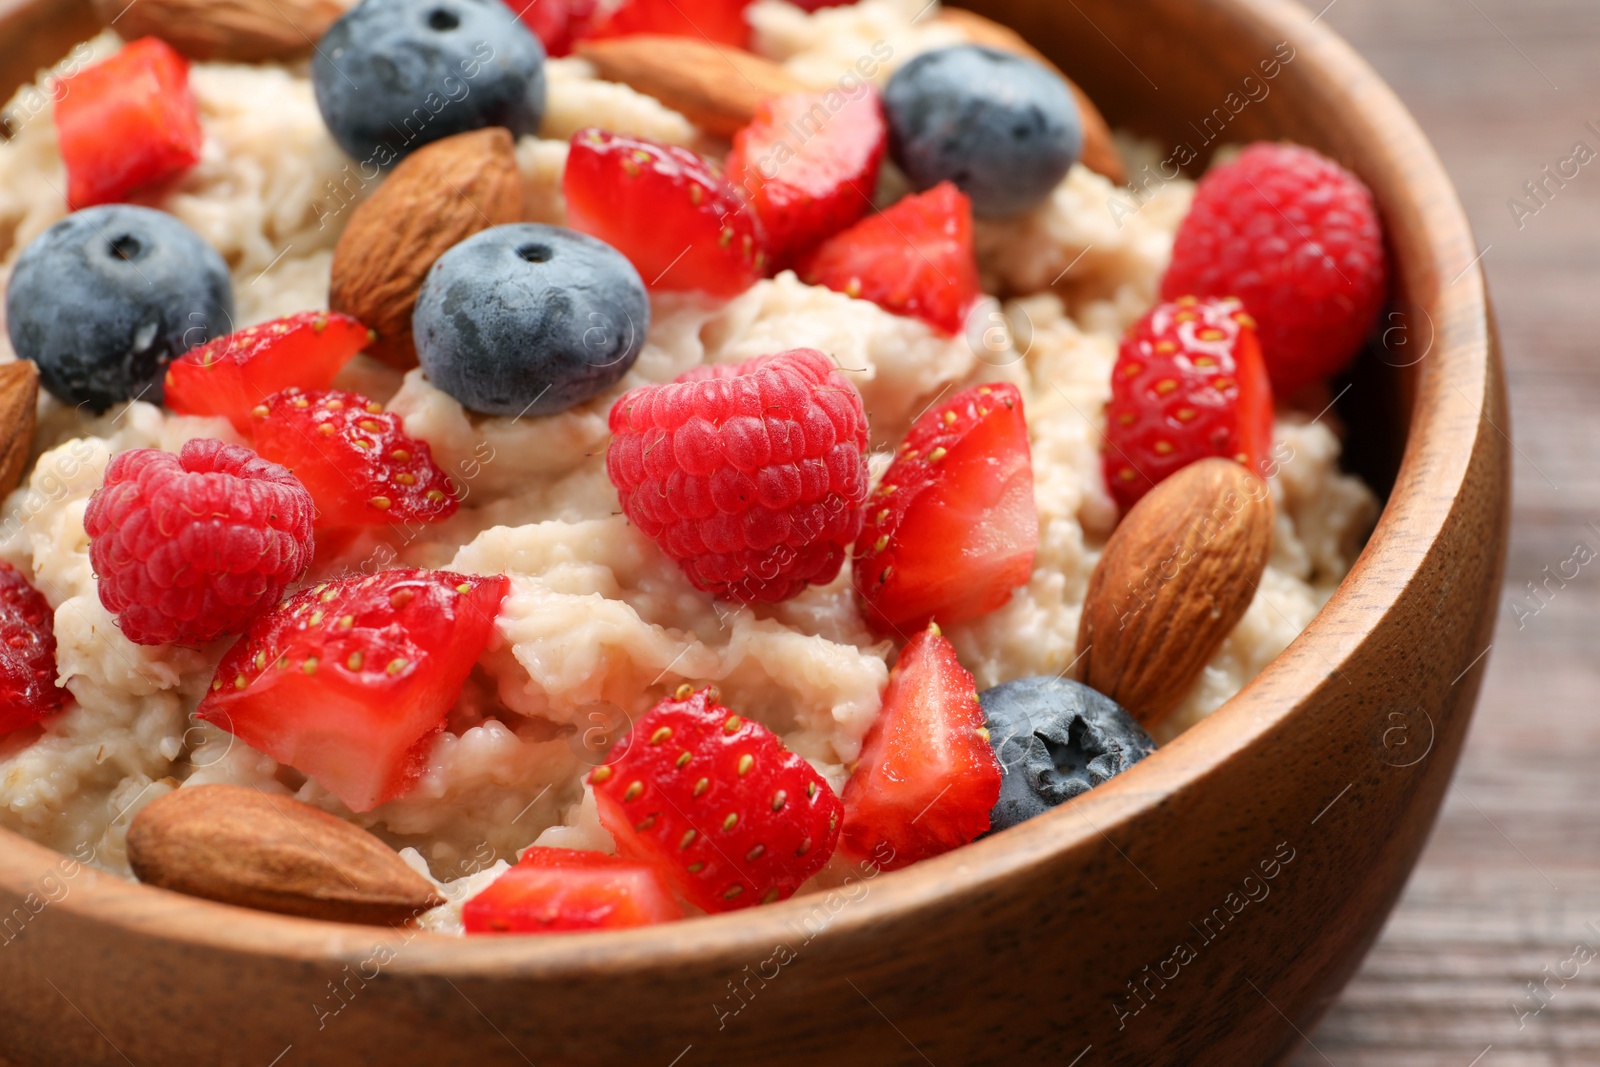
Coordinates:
x,y
194,546
733,817
752,477
354,458
27,653
1189,383
1297,238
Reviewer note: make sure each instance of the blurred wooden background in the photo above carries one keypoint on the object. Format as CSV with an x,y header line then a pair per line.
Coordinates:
x,y
1512,874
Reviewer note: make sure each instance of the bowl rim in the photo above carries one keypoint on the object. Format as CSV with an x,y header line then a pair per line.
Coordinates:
x,y
1452,390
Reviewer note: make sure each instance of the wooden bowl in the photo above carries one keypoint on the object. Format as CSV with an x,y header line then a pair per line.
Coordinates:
x,y
1204,908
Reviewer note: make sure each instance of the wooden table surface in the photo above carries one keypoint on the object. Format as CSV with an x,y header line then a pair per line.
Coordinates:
x,y
1511,879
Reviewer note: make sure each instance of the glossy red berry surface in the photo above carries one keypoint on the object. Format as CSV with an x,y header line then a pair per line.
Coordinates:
x,y
28,689
563,890
752,476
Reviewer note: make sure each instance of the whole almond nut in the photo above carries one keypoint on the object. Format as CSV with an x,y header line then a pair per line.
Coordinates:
x,y
1174,580
1099,151
241,846
245,31
716,87
19,399
434,199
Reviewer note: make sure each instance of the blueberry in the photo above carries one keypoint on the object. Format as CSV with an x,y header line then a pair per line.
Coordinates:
x,y
1003,128
103,300
393,75
529,319
1055,739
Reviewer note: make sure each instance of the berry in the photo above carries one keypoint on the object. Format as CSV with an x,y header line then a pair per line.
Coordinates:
x,y
348,681
559,24
103,300
1054,739
1003,128
926,778
560,890
733,817
713,21
752,476
1297,238
1188,383
232,374
914,259
393,75
126,123
190,547
667,209
28,690
808,188
529,320
952,528
355,459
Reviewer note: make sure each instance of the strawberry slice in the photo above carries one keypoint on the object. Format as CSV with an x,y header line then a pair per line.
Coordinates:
x,y
559,24
806,190
1189,383
715,21
348,681
914,259
231,375
560,890
734,818
675,217
927,777
951,529
356,460
126,123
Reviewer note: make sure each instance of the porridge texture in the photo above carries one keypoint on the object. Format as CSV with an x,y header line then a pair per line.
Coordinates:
x,y
599,624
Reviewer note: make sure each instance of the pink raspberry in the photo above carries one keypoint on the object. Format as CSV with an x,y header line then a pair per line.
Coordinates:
x,y
752,477
194,546
27,653
1297,238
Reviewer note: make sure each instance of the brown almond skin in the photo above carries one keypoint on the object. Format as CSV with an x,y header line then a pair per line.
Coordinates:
x,y
19,399
1099,151
716,87
240,846
243,31
1174,580
435,198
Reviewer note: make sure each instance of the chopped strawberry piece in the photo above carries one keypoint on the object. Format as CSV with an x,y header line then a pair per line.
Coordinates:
x,y
28,690
809,169
560,890
348,681
914,259
951,529
559,23
927,777
675,217
735,818
1190,382
126,123
716,21
355,459
231,375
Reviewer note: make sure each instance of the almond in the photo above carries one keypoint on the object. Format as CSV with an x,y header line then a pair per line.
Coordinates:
x,y
19,398
245,31
240,846
435,198
716,87
1099,151
1174,580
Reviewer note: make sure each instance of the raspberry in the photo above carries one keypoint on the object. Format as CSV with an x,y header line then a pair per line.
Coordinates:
x,y
1189,383
194,546
27,653
733,818
1297,238
752,477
